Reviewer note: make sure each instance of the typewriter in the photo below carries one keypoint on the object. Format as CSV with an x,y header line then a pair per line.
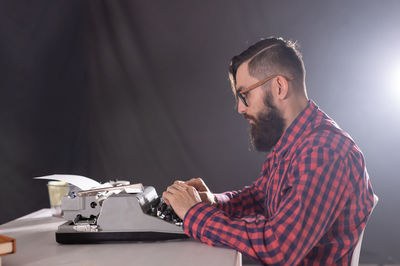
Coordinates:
x,y
116,213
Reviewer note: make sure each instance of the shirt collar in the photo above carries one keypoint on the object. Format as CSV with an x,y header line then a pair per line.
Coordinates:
x,y
296,129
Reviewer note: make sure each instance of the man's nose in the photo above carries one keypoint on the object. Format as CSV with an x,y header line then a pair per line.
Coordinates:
x,y
241,107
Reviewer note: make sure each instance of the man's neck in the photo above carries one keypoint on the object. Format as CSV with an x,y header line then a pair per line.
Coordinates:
x,y
295,108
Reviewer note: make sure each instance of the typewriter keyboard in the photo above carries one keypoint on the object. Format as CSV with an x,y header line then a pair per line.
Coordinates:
x,y
161,210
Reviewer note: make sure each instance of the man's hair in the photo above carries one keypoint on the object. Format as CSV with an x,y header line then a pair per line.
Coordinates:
x,y
272,56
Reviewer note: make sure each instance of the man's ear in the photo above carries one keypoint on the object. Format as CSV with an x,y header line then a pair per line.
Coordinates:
x,y
282,85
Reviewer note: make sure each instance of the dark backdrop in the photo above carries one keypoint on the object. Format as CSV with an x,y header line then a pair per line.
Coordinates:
x,y
138,90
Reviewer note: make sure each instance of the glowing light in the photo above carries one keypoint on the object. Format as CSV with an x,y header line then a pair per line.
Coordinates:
x,y
393,83
396,79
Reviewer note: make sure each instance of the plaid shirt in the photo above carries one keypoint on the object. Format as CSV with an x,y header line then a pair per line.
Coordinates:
x,y
308,207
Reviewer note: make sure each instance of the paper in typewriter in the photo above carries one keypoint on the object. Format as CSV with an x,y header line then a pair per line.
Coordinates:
x,y
81,182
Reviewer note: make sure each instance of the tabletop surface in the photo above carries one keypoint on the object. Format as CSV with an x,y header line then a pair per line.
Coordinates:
x,y
36,245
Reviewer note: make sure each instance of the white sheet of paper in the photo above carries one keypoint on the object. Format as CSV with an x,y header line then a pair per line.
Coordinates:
x,y
81,182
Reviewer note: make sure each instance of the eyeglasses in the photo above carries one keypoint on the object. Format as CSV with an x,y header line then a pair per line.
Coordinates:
x,y
240,93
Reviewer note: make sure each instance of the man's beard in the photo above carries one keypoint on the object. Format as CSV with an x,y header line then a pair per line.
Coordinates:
x,y
267,128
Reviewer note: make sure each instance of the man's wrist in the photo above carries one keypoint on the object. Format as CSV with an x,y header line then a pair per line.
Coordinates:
x,y
215,201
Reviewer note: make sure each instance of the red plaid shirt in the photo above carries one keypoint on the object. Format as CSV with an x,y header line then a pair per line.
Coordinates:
x,y
308,207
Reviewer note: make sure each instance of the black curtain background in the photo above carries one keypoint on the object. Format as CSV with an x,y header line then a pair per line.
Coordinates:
x,y
43,103
138,90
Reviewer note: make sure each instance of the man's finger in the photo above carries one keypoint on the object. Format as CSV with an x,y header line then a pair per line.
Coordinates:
x,y
181,186
165,198
194,181
191,190
203,196
198,183
172,189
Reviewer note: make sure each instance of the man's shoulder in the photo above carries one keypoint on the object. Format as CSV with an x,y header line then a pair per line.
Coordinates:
x,y
327,135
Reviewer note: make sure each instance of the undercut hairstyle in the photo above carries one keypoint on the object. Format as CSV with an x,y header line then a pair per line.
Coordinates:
x,y
272,56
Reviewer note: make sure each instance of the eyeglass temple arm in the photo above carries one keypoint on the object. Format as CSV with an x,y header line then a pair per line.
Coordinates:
x,y
261,82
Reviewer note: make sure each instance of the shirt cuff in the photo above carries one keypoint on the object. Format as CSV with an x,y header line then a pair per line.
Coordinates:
x,y
195,219
222,201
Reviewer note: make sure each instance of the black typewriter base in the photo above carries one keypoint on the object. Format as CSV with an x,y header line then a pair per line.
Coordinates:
x,y
107,237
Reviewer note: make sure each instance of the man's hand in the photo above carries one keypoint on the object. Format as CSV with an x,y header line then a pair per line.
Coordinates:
x,y
205,194
181,197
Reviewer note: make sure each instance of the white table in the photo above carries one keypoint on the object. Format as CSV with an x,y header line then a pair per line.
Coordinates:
x,y
36,245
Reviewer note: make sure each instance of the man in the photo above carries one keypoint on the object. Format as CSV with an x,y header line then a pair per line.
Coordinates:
x,y
313,197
